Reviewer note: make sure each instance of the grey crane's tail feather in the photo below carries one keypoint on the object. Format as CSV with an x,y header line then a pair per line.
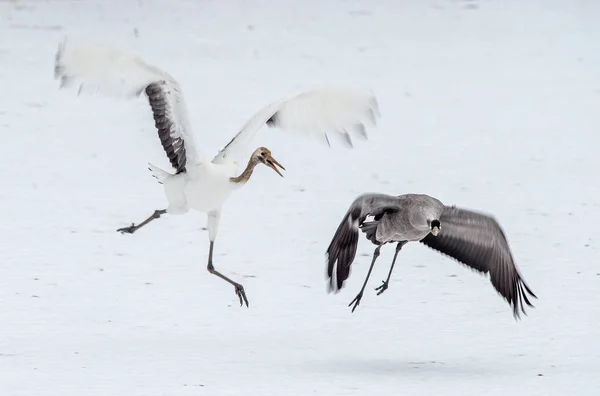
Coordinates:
x,y
342,250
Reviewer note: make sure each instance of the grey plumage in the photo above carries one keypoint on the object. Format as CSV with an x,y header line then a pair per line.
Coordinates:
x,y
473,239
174,146
342,249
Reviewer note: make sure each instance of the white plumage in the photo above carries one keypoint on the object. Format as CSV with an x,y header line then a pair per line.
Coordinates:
x,y
199,183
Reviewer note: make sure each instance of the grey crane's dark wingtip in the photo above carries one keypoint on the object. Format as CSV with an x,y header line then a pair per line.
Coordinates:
x,y
517,314
520,299
529,291
331,289
329,276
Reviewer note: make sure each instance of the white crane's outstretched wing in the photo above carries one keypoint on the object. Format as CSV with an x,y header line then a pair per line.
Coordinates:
x,y
113,72
320,113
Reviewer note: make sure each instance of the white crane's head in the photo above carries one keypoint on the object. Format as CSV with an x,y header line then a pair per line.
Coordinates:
x,y
263,155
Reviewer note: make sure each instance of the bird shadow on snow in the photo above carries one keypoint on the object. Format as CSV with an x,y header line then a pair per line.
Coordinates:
x,y
390,367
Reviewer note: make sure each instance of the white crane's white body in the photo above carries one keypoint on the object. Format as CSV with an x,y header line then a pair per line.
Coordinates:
x,y
199,183
203,188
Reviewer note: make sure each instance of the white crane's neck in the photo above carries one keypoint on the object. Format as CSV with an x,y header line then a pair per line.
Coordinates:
x,y
245,175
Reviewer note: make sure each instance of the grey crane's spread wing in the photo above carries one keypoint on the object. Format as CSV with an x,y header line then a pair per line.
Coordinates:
x,y
476,240
114,72
342,249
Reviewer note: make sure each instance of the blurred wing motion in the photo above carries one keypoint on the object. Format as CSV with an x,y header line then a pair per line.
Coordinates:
x,y
342,249
476,240
322,114
113,72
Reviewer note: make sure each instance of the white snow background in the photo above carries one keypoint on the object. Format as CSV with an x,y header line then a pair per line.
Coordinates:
x,y
491,105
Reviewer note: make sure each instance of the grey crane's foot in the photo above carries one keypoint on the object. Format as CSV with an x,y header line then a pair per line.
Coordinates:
x,y
382,288
128,230
356,301
239,291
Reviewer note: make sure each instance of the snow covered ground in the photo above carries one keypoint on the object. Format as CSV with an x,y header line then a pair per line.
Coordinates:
x,y
488,104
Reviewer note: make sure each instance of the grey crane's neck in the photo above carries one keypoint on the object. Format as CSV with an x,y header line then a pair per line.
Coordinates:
x,y
245,175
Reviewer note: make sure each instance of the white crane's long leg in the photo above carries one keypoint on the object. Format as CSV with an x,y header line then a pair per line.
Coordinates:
x,y
358,297
386,282
133,228
213,225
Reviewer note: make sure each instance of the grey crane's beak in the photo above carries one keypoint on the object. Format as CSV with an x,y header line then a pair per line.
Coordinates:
x,y
273,164
435,227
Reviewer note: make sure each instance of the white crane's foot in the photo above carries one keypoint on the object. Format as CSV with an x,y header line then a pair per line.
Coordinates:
x,y
239,291
356,300
128,230
382,288
133,228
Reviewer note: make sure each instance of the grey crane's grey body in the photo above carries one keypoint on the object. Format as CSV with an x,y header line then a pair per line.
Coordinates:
x,y
473,239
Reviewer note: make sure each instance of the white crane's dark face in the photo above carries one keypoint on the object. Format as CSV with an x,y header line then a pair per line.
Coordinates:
x,y
435,227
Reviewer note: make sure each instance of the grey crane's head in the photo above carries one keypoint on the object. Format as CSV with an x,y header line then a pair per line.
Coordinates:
x,y
435,226
263,155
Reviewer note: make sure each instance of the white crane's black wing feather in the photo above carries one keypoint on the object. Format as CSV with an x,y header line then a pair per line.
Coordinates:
x,y
342,249
321,113
477,240
111,71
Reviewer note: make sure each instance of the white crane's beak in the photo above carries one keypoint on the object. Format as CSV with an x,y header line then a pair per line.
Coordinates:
x,y
435,230
273,164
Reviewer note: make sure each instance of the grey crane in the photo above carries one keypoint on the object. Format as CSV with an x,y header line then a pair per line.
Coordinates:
x,y
473,239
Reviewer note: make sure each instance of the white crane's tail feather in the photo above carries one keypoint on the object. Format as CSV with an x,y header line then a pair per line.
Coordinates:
x,y
102,69
159,174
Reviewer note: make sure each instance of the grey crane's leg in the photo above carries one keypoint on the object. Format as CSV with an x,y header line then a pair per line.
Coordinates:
x,y
386,282
239,289
133,228
358,297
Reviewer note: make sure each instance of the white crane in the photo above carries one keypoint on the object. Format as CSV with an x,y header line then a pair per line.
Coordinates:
x,y
199,183
473,239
